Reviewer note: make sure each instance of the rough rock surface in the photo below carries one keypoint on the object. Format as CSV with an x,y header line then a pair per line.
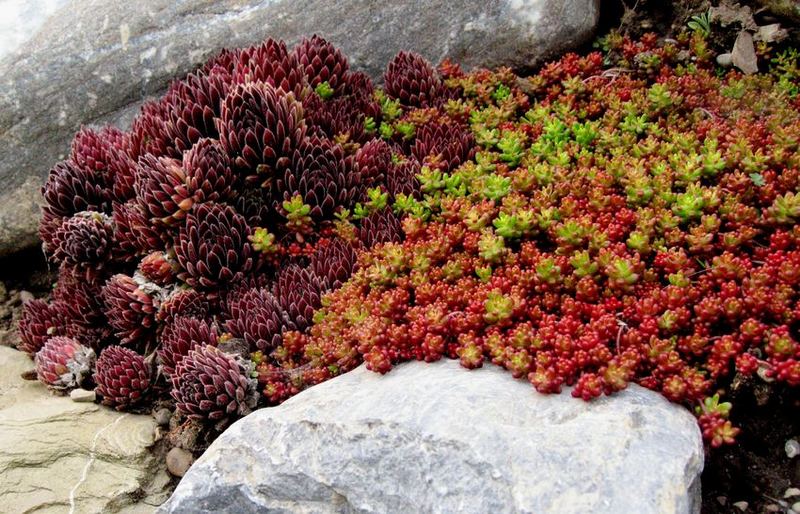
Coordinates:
x,y
60,456
94,61
439,438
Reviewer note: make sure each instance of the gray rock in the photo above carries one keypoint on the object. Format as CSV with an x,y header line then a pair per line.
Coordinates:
x,y
57,455
178,461
95,61
82,396
439,438
162,416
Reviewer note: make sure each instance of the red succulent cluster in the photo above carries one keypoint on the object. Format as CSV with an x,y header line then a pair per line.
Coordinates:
x,y
228,204
672,263
636,224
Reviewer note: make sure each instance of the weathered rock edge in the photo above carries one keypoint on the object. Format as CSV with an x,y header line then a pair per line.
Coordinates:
x,y
439,438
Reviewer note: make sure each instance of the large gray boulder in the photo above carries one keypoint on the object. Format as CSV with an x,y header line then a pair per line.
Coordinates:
x,y
439,438
66,63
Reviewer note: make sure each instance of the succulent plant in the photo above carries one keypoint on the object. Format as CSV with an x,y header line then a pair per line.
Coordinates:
x,y
63,363
209,177
260,126
133,234
374,161
270,63
213,247
159,268
161,190
130,309
181,334
412,80
257,317
183,302
209,384
298,291
402,179
380,227
334,263
70,189
322,176
39,322
122,376
84,240
194,103
106,152
322,63
344,118
443,145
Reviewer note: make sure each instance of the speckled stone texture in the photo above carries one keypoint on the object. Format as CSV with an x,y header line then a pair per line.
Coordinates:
x,y
94,61
438,438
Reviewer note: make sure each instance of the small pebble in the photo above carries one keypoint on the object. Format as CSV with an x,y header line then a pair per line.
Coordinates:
x,y
178,461
723,500
725,60
796,506
792,491
25,296
82,395
162,416
792,448
742,506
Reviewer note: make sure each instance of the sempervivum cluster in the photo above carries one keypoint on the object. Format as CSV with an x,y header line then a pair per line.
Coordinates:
x,y
334,263
84,240
63,363
299,292
210,384
373,161
271,63
234,203
443,145
412,80
39,322
122,377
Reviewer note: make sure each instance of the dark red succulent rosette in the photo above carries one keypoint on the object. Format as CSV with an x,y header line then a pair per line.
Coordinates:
x,y
299,292
381,226
123,377
130,310
213,248
271,63
412,80
258,317
209,176
260,127
322,62
63,363
210,385
181,334
334,262
322,176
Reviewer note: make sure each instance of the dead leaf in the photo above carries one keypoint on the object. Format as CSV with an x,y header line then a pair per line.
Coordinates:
x,y
744,53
